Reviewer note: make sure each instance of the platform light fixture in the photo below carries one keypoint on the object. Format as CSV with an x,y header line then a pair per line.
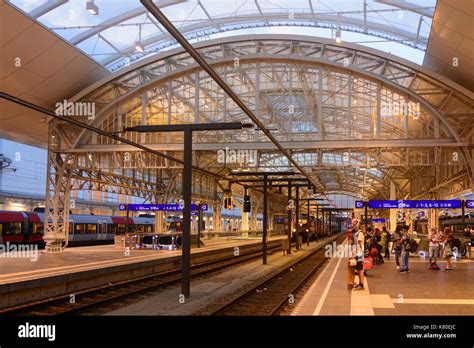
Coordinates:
x,y
139,47
92,8
338,35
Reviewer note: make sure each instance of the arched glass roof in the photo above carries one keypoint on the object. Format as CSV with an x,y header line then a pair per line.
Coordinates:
x,y
121,30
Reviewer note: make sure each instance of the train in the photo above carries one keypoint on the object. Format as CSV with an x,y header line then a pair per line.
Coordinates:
x,y
28,227
312,228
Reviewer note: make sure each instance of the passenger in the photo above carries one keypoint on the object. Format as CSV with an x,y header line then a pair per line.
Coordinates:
x,y
448,248
352,232
397,246
405,252
433,251
377,243
385,242
360,250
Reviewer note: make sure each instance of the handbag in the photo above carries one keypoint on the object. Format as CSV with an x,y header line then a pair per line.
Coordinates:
x,y
448,251
368,263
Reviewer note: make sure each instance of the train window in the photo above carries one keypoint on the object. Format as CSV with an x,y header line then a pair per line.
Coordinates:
x,y
140,228
112,228
132,228
102,228
91,228
13,228
1,229
121,228
38,228
79,229
148,228
71,228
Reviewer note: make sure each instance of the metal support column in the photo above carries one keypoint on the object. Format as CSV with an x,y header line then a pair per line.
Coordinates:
x,y
199,208
187,180
366,207
265,219
307,227
289,218
297,216
317,222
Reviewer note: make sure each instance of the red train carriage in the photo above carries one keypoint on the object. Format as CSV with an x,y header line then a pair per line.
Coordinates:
x,y
20,228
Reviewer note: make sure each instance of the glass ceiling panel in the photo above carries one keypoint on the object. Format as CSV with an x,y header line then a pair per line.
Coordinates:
x,y
109,37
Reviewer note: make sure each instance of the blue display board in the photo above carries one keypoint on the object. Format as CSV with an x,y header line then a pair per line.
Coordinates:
x,y
378,221
469,204
159,207
359,204
413,204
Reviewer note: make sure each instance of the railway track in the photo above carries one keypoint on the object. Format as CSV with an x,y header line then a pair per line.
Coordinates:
x,y
93,299
272,295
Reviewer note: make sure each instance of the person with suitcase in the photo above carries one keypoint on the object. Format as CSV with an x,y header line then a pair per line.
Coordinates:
x,y
360,241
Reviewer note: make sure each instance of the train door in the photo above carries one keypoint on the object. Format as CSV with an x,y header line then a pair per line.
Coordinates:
x,y
71,229
102,230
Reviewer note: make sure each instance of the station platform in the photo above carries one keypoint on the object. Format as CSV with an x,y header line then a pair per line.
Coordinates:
x,y
27,279
389,292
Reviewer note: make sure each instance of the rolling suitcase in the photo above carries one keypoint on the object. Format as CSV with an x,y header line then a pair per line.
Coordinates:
x,y
434,266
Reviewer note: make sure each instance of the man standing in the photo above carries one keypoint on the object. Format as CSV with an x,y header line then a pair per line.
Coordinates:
x,y
405,243
396,239
360,244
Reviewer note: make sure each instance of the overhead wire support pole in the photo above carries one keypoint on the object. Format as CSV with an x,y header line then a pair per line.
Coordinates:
x,y
165,22
265,218
187,129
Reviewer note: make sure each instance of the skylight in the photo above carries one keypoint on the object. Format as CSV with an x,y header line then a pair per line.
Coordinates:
x,y
121,32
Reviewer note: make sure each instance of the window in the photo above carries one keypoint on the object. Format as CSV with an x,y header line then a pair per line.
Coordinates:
x,y
13,228
102,228
121,228
71,228
79,229
91,229
37,228
113,228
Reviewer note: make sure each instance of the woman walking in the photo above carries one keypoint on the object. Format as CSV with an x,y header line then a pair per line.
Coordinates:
x,y
434,246
448,248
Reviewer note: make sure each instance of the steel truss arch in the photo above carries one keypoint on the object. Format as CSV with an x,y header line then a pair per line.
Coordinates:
x,y
442,100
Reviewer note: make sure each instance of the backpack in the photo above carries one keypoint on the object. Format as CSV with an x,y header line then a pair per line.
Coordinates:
x,y
366,249
412,245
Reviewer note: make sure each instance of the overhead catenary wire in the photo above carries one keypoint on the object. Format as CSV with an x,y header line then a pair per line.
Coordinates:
x,y
77,123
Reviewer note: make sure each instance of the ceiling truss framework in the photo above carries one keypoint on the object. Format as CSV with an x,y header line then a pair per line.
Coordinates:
x,y
355,121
